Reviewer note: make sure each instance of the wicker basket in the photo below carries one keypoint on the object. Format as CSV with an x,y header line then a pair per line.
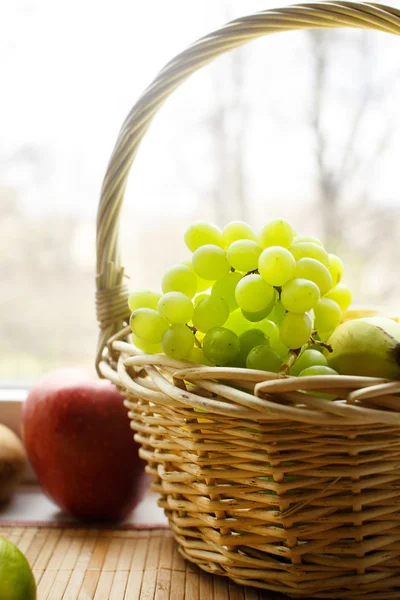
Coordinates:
x,y
272,488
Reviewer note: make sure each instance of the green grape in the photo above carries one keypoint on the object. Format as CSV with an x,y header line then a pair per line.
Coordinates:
x,y
198,298
295,329
307,238
225,288
263,358
145,346
276,265
148,325
143,299
308,358
277,233
250,339
317,370
196,355
210,312
271,331
324,336
243,255
299,295
177,341
327,315
277,313
221,346
202,233
237,230
202,284
253,293
210,262
255,317
341,295
335,268
179,278
310,250
237,322
281,350
309,268
175,307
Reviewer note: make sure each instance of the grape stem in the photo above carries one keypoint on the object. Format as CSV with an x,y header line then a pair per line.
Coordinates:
x,y
289,362
194,330
314,342
197,342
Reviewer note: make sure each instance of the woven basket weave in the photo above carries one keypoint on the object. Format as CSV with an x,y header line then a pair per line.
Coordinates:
x,y
270,487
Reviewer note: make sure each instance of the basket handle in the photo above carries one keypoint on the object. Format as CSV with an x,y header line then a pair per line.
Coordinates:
x,y
112,293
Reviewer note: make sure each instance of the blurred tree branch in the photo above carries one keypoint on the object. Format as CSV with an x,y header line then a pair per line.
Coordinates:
x,y
345,184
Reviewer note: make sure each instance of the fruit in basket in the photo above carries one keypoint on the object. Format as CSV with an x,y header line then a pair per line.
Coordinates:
x,y
179,278
16,578
327,315
300,295
243,255
12,462
210,262
263,358
78,439
237,230
335,268
221,346
175,307
282,289
144,299
210,312
295,329
277,233
202,233
366,346
253,294
225,289
249,340
308,358
148,325
317,370
313,270
276,265
177,341
341,295
310,250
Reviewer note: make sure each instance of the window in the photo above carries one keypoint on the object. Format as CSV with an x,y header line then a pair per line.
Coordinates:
x,y
304,125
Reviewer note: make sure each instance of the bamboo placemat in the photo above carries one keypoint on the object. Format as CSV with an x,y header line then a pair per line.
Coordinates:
x,y
104,564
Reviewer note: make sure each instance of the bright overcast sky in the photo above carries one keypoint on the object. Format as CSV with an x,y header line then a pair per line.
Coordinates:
x,y
71,71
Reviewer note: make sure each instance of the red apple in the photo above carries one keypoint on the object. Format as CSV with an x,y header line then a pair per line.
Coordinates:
x,y
77,435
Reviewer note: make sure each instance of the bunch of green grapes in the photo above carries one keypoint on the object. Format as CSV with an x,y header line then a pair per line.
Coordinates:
x,y
256,301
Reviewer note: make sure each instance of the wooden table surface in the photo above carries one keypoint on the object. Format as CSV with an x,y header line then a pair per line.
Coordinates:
x,y
107,564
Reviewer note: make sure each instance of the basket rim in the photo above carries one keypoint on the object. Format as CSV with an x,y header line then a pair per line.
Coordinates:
x,y
250,394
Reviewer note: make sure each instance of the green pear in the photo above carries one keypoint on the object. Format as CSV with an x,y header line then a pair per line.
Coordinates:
x,y
369,346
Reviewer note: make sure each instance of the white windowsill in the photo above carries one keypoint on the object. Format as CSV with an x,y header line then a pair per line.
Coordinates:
x,y
30,506
11,401
12,395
